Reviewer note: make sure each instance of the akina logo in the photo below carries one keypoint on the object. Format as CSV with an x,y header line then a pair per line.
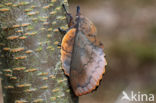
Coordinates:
x,y
140,97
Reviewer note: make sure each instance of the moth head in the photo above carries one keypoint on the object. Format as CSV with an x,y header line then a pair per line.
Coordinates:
x,y
84,24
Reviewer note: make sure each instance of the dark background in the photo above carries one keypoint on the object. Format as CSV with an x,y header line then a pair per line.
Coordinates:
x,y
127,29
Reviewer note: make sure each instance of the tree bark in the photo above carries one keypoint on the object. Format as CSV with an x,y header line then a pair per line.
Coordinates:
x,y
29,53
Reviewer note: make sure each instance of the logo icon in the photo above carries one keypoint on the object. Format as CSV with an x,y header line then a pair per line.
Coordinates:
x,y
125,96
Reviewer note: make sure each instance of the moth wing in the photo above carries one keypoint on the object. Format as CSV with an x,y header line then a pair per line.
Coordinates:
x,y
66,50
89,29
87,65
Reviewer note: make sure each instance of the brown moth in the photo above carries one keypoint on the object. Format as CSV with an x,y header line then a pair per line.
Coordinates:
x,y
82,55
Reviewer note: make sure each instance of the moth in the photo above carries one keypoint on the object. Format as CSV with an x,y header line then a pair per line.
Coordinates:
x,y
82,54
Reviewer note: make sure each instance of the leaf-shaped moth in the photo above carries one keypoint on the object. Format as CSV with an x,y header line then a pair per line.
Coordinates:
x,y
82,54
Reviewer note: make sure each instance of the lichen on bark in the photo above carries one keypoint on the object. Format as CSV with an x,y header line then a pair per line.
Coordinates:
x,y
29,53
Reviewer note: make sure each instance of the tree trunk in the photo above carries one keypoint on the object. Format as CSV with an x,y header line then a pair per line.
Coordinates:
x,y
29,52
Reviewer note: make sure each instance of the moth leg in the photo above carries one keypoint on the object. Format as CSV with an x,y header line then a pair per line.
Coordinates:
x,y
63,32
59,45
69,17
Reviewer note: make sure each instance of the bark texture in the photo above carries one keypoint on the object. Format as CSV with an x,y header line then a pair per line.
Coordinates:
x,y
29,53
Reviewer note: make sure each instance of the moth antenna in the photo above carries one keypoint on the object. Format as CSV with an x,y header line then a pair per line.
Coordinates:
x,y
77,18
65,9
78,11
70,20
